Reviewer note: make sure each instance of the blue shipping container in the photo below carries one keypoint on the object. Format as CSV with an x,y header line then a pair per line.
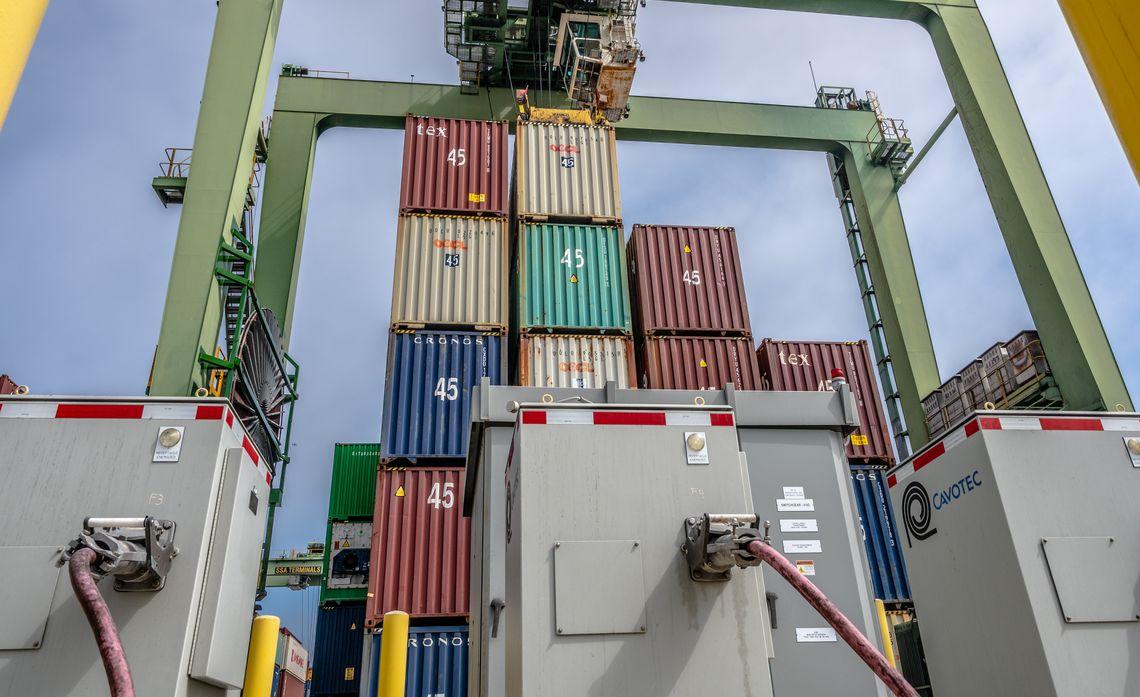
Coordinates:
x,y
337,650
437,662
880,538
427,394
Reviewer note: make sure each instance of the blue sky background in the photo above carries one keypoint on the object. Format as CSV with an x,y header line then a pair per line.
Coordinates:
x,y
87,246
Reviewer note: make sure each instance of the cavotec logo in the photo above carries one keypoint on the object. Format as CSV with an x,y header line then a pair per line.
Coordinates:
x,y
919,505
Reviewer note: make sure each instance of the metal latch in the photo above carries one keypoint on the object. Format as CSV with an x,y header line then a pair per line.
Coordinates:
x,y
136,551
717,542
497,606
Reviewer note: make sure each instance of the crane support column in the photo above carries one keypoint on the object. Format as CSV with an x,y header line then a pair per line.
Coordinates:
x,y
1108,34
1043,258
896,285
237,75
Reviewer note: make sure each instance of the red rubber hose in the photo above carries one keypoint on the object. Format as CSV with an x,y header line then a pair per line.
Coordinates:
x,y
843,626
102,624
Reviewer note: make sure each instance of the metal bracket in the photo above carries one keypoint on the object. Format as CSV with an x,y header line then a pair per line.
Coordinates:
x,y
136,551
497,606
716,543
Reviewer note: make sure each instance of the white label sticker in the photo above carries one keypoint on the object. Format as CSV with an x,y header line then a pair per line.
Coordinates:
x,y
793,492
798,525
1132,447
789,505
1020,423
696,448
168,445
802,547
815,635
806,567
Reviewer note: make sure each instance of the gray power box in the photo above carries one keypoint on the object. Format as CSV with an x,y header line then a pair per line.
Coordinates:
x,y
599,596
1022,541
64,460
790,439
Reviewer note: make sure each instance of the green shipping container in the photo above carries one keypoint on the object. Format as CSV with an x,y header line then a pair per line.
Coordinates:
x,y
348,548
572,278
353,492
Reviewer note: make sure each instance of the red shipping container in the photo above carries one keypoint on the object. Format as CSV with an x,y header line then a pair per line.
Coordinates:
x,y
699,363
8,386
454,166
687,280
805,366
289,686
420,545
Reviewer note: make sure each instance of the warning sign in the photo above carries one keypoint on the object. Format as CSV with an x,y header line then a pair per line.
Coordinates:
x,y
476,198
400,492
859,439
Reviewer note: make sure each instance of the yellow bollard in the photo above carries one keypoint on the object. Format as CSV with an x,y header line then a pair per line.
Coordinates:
x,y
262,653
885,630
19,24
393,655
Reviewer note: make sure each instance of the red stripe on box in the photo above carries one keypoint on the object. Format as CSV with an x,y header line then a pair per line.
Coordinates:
x,y
229,418
209,413
892,480
989,423
929,456
720,419
972,428
629,418
99,411
534,417
247,445
1048,424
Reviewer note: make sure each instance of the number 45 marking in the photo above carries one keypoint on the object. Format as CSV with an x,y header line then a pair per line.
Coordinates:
x,y
447,389
577,262
442,496
693,278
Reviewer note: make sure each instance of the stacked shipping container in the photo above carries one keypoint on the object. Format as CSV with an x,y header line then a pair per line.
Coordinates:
x,y
807,366
690,309
572,310
437,662
338,650
450,311
1006,376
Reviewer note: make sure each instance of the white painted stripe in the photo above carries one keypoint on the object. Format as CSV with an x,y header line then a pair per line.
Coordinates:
x,y
687,418
1020,423
1121,424
905,473
170,411
954,438
29,410
569,416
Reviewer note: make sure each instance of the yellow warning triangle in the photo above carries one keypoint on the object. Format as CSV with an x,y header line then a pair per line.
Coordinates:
x,y
400,492
688,250
352,626
573,278
703,364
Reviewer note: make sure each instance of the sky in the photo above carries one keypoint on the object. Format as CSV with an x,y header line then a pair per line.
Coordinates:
x,y
87,246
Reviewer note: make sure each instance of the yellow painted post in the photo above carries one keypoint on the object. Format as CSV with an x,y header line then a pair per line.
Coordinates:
x,y
262,652
1108,34
885,630
19,24
393,655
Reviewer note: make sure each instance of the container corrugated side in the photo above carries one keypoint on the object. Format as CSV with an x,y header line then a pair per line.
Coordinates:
x,y
880,535
687,280
572,277
451,271
804,366
353,491
289,686
562,360
566,172
437,661
699,363
337,650
427,395
420,545
454,165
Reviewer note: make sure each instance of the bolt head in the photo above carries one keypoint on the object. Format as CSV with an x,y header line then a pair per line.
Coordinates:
x,y
560,630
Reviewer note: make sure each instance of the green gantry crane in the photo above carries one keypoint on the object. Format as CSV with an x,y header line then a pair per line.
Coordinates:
x,y
867,159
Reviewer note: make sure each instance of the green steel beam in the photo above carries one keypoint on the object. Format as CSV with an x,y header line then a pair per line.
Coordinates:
x,y
1051,279
236,79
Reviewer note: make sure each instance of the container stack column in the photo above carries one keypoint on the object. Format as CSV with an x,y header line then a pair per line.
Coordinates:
x,y
571,287
690,309
449,317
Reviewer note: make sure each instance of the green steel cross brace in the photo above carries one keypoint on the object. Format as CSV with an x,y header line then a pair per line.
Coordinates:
x,y
1083,363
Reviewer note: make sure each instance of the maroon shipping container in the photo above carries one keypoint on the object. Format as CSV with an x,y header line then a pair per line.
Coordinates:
x,y
8,386
687,280
803,366
454,166
420,543
699,363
